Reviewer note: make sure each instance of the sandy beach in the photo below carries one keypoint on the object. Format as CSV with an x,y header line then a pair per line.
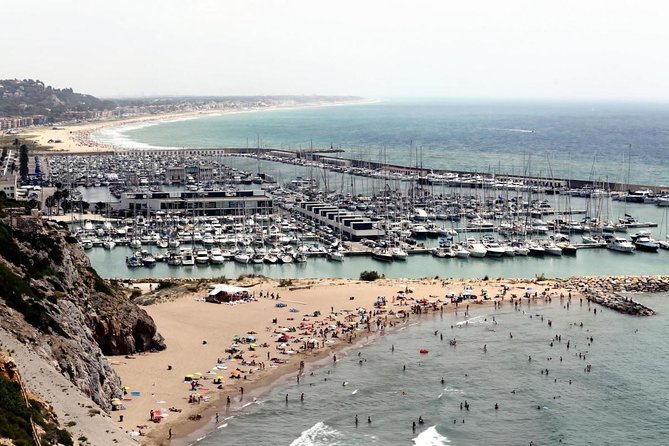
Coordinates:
x,y
198,334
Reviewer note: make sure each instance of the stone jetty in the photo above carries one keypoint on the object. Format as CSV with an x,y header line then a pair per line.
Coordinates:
x,y
607,291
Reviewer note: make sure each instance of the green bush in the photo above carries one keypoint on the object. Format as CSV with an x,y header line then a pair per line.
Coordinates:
x,y
164,285
14,415
369,276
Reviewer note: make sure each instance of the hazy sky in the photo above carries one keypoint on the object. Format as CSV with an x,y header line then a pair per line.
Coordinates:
x,y
529,49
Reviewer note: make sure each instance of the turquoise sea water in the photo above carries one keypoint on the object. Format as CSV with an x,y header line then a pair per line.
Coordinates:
x,y
621,401
555,139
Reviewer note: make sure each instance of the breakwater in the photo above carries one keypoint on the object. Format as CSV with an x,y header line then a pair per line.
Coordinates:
x,y
325,156
606,291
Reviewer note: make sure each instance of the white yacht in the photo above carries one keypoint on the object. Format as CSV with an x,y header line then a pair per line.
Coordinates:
x,y
286,258
201,256
187,258
475,248
173,259
216,256
242,257
336,256
520,250
460,252
620,244
493,249
536,249
646,244
382,254
443,252
399,253
552,249
271,258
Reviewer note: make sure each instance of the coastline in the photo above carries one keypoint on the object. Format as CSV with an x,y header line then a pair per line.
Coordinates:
x,y
79,138
186,323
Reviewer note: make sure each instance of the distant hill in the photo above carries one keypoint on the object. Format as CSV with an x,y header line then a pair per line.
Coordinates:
x,y
29,97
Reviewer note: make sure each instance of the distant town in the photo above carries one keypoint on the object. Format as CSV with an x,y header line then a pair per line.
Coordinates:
x,y
27,102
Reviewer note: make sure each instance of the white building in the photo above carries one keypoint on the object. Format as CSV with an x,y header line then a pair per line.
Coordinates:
x,y
241,202
8,186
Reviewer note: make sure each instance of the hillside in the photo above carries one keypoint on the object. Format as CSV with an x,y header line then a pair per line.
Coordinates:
x,y
60,319
29,97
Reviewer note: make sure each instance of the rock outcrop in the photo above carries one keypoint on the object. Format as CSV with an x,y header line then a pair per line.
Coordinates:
x,y
53,301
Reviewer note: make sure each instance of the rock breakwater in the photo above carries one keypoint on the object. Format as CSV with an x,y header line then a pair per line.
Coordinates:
x,y
607,291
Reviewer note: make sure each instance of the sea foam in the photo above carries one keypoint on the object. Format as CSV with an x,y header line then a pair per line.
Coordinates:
x,y
318,434
430,437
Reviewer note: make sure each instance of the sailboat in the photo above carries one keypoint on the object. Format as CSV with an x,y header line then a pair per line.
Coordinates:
x,y
664,244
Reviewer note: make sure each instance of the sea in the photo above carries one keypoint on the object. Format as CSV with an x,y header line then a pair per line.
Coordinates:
x,y
604,141
550,399
506,357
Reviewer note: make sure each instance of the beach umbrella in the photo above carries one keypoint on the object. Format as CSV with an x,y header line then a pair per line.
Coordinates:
x,y
219,377
116,402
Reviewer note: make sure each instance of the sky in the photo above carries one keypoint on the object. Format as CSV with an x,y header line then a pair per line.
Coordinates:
x,y
563,49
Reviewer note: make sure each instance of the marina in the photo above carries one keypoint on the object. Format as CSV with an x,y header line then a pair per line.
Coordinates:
x,y
206,210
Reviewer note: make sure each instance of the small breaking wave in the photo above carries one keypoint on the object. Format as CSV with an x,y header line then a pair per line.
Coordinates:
x,y
318,434
475,320
514,130
430,437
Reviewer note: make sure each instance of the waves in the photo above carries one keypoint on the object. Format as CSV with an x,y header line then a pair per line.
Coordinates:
x,y
317,435
430,437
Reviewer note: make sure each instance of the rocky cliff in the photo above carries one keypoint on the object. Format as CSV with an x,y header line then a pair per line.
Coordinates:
x,y
55,303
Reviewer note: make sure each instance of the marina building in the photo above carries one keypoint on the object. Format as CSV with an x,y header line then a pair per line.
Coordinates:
x,y
8,185
179,175
352,226
214,203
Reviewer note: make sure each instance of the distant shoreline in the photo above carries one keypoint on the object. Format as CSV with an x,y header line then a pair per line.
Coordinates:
x,y
79,138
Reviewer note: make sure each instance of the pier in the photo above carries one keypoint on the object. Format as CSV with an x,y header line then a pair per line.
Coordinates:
x,y
323,155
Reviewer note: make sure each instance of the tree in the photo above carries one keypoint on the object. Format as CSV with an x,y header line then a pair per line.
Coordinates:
x,y
369,276
23,161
